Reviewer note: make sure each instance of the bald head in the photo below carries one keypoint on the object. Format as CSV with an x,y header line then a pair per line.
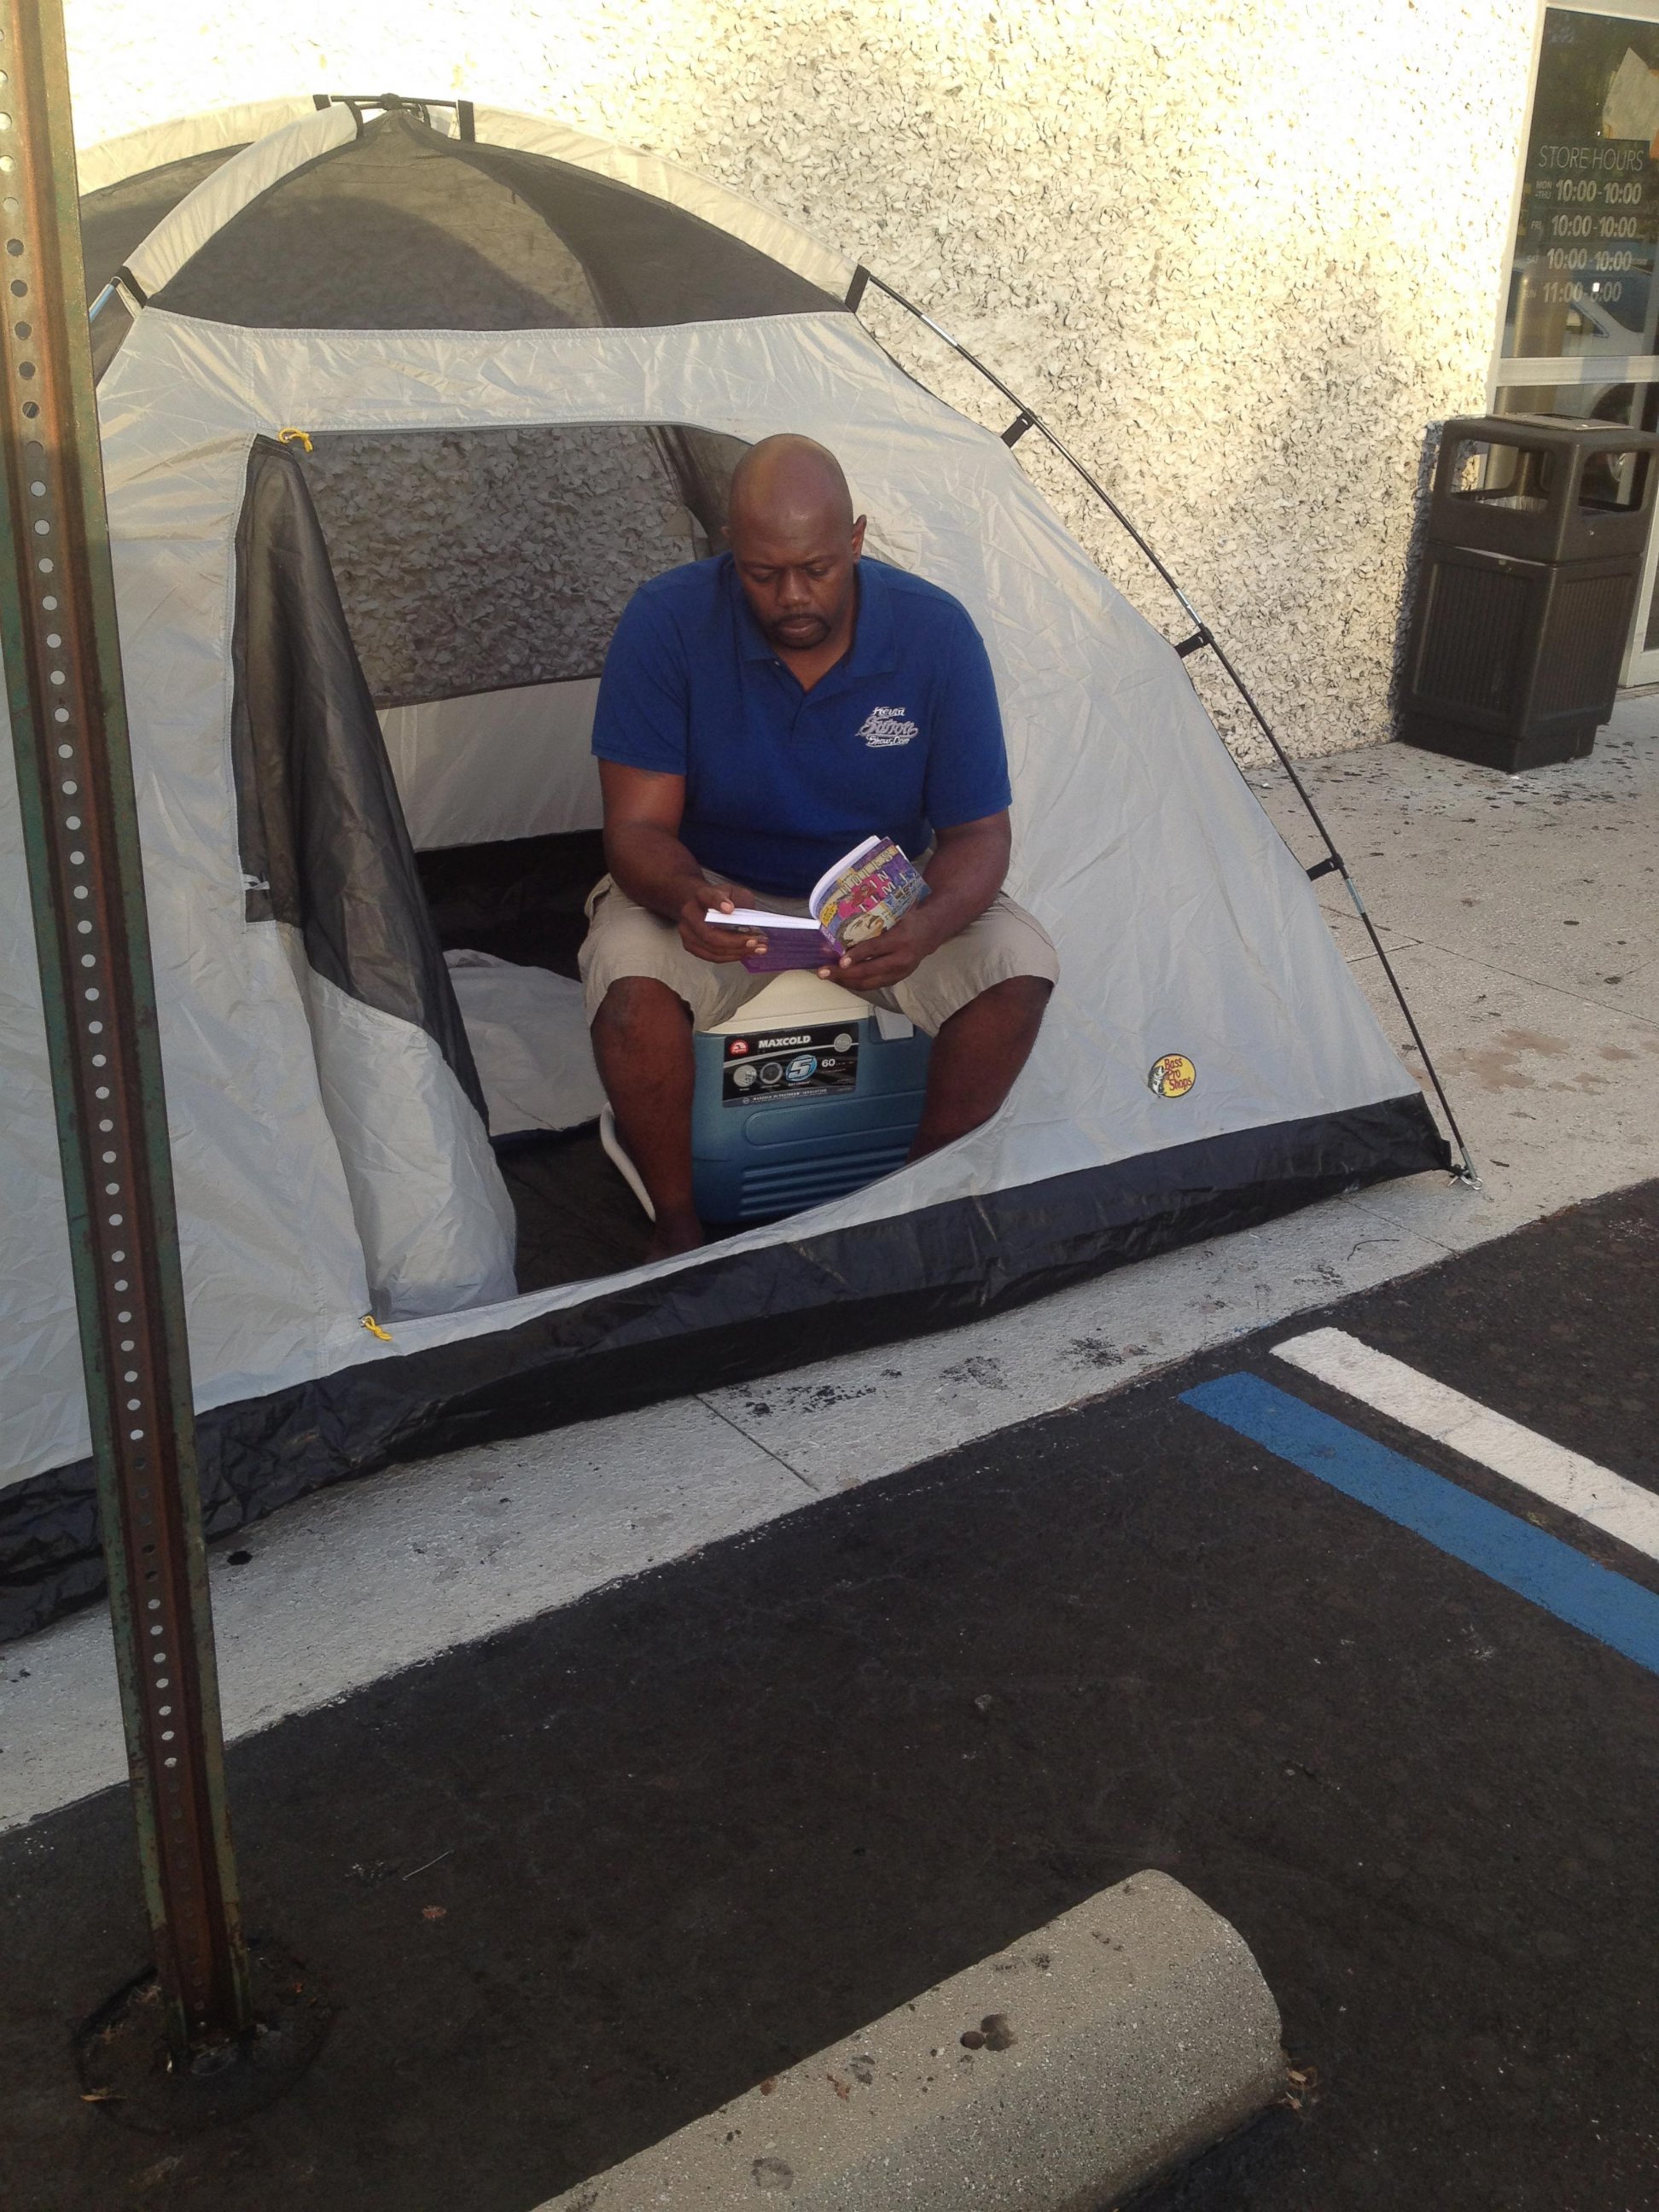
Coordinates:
x,y
791,484
796,542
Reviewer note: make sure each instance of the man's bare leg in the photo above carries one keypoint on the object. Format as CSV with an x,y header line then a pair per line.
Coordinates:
x,y
643,1043
975,1057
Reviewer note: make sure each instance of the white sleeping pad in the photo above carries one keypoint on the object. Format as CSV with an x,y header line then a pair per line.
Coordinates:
x,y
529,1038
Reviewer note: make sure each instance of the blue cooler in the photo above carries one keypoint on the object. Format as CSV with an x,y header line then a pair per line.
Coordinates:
x,y
805,1093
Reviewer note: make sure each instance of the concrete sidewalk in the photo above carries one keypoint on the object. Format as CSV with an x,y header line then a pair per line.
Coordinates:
x,y
1520,915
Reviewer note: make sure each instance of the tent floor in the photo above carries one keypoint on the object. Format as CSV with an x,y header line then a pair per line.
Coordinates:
x,y
577,1217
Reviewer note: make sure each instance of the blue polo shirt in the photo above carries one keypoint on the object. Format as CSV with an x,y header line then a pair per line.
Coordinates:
x,y
902,737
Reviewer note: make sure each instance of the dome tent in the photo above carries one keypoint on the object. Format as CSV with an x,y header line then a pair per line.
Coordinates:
x,y
397,408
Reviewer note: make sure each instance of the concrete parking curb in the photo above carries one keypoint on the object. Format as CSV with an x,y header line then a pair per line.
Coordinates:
x,y
1080,2064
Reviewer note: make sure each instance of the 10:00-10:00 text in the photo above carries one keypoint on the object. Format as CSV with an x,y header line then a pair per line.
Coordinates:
x,y
1584,191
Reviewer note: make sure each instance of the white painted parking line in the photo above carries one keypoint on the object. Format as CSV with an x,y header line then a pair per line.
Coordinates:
x,y
1607,1501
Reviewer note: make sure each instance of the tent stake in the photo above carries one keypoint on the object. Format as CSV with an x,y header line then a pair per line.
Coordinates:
x,y
1202,636
58,631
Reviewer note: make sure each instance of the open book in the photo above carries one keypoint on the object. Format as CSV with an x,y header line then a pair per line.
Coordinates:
x,y
865,892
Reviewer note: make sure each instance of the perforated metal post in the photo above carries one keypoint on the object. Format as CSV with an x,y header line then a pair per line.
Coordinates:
x,y
74,779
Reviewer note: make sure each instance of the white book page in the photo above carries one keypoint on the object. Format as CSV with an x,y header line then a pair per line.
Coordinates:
x,y
752,917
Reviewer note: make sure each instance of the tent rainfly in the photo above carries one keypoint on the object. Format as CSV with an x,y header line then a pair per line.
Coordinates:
x,y
400,401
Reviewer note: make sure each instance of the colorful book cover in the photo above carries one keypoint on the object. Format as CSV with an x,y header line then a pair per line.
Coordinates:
x,y
790,948
861,896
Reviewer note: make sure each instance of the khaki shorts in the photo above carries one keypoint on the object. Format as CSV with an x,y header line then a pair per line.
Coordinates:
x,y
625,940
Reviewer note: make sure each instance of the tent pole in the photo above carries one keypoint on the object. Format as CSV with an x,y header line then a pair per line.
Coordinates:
x,y
1028,419
58,632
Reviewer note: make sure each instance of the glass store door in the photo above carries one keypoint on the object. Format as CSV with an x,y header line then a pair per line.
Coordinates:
x,y
1583,309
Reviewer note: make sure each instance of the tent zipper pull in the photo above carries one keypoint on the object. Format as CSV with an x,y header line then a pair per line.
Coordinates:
x,y
375,1328
291,437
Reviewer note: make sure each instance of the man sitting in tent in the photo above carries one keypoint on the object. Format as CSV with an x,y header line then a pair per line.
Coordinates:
x,y
760,713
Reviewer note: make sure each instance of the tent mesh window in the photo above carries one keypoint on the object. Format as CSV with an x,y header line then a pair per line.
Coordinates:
x,y
404,228
116,222
474,561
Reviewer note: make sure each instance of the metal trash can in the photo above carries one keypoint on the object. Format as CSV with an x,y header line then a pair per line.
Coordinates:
x,y
1536,535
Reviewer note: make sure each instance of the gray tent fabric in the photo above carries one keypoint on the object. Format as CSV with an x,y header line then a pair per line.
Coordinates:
x,y
645,267
393,229
325,855
329,1158
404,228
320,822
116,222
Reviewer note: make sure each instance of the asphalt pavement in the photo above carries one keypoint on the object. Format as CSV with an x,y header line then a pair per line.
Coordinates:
x,y
575,1884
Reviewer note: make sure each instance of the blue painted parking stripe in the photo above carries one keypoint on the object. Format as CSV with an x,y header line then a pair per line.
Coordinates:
x,y
1512,1552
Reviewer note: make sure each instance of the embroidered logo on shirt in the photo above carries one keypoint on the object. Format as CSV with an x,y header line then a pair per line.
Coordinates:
x,y
886,726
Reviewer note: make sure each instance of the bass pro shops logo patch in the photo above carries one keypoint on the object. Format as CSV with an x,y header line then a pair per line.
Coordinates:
x,y
885,726
1171,1077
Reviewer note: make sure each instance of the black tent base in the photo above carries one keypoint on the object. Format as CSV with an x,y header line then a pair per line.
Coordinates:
x,y
735,1318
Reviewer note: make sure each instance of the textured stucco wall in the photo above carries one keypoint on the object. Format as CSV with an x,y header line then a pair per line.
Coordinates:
x,y
468,561
1240,255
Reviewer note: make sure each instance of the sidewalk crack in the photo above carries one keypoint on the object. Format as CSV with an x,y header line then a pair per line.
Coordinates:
x,y
749,1437
1535,982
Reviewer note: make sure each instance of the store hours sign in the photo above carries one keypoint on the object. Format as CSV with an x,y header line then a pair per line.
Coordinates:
x,y
1583,276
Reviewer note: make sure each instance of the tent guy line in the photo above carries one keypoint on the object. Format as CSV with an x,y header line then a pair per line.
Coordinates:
x,y
1595,1494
